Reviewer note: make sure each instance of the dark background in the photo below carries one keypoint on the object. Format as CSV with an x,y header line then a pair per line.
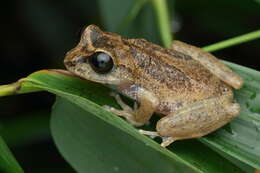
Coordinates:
x,y
36,35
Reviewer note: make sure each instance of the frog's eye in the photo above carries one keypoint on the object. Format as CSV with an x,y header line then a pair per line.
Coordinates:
x,y
101,62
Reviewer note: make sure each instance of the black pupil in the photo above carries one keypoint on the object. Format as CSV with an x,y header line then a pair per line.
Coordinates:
x,y
101,62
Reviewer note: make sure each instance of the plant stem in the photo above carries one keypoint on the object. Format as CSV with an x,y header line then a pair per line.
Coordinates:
x,y
131,15
9,89
233,41
162,13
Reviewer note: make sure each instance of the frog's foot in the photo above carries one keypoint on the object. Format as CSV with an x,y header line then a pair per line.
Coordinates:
x,y
127,111
165,140
140,114
149,133
123,113
122,104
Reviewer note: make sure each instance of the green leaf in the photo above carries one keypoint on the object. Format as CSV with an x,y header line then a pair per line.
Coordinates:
x,y
133,19
245,144
78,128
93,145
136,18
241,138
8,164
233,41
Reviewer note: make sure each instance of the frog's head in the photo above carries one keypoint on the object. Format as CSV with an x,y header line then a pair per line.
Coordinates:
x,y
101,57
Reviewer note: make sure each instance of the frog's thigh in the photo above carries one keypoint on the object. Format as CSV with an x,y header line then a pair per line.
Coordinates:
x,y
210,62
148,103
198,119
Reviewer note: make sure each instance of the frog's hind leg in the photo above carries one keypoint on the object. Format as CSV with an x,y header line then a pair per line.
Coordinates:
x,y
210,62
198,119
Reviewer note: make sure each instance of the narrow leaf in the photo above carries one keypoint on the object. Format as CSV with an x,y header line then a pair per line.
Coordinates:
x,y
241,138
233,41
183,155
8,164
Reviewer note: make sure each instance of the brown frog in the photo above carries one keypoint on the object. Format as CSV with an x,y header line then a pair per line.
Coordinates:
x,y
191,87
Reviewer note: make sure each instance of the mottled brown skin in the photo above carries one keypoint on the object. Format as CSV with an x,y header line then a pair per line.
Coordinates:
x,y
190,86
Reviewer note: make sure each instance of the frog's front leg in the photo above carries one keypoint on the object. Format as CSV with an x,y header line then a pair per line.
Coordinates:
x,y
210,62
196,120
148,103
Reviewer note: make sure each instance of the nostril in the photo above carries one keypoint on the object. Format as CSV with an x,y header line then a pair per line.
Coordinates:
x,y
74,61
81,59
69,63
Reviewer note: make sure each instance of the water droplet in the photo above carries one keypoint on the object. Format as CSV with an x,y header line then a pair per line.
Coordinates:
x,y
247,105
228,129
256,125
254,103
253,96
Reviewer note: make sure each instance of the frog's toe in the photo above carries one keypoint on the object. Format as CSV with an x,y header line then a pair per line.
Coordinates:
x,y
129,115
167,141
149,133
113,110
122,104
106,107
122,113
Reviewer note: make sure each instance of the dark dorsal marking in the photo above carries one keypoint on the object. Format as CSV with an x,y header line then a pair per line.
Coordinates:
x,y
160,70
179,55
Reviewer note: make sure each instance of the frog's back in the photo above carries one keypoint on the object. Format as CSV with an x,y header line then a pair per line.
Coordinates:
x,y
174,77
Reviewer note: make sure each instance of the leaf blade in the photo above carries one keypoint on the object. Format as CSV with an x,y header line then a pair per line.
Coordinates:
x,y
241,138
77,90
8,163
126,161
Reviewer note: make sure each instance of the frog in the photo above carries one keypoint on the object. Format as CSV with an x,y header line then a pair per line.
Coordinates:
x,y
190,88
